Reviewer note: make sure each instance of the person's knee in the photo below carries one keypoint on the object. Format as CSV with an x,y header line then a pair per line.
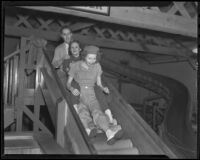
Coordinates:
x,y
99,116
82,109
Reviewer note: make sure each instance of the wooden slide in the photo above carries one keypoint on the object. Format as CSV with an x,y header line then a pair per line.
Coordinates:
x,y
138,138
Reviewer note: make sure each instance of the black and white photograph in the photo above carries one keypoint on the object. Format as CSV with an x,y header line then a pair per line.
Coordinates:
x,y
99,79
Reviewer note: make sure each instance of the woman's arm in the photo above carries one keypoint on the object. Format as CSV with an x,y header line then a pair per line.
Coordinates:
x,y
99,83
69,86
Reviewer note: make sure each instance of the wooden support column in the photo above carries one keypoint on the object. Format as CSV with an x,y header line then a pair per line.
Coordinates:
x,y
6,71
10,82
37,98
20,101
36,110
15,77
33,118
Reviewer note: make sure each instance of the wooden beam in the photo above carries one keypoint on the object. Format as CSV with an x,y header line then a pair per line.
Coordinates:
x,y
80,25
172,61
135,17
18,135
15,76
11,55
115,44
49,103
182,9
19,99
36,120
10,84
6,77
8,116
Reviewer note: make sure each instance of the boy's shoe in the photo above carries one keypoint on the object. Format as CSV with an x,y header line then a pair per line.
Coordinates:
x,y
113,134
112,121
92,132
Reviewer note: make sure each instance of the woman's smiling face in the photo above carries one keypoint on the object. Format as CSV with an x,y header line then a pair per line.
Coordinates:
x,y
90,58
75,49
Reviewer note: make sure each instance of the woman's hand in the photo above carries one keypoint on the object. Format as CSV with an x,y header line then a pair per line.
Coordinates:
x,y
106,90
75,92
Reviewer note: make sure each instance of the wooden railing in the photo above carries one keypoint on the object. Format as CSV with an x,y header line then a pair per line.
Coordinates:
x,y
11,68
11,79
17,96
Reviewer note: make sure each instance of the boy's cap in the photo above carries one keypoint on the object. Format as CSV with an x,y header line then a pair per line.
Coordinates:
x,y
91,49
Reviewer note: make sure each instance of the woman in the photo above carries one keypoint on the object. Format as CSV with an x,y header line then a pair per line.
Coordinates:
x,y
86,73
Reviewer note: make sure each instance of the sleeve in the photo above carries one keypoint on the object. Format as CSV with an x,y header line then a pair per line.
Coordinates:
x,y
72,70
99,70
56,62
66,64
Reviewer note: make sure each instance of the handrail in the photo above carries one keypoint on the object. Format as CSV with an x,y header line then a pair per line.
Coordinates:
x,y
74,114
11,68
11,55
14,53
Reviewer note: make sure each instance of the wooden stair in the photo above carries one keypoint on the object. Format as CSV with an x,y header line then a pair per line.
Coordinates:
x,y
31,143
21,144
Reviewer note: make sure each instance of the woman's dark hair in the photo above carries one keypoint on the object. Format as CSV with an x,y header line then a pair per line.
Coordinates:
x,y
98,53
74,41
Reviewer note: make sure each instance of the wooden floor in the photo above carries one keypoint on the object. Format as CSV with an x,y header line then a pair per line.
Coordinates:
x,y
30,143
21,144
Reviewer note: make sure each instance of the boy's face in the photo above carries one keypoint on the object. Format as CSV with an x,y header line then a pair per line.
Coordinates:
x,y
75,49
90,59
66,35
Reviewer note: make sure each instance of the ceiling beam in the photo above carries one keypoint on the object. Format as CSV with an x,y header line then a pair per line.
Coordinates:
x,y
106,43
135,17
80,25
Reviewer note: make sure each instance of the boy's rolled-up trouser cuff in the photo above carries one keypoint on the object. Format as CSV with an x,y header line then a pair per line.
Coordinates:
x,y
100,120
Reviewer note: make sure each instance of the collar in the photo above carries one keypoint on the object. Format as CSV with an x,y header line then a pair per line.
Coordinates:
x,y
85,69
66,45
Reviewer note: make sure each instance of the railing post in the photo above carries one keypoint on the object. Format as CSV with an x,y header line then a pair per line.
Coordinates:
x,y
19,102
15,77
6,77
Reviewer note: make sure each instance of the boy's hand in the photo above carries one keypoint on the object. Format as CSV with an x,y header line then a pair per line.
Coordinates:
x,y
75,92
106,90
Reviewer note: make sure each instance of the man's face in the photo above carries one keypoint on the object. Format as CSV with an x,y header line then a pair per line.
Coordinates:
x,y
66,35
